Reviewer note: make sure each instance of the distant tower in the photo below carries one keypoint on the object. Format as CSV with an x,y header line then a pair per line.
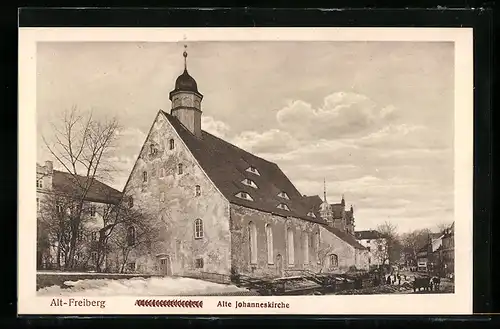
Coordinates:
x,y
325,209
186,101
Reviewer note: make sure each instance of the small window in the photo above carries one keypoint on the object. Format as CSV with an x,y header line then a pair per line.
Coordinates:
x,y
368,249
249,182
198,229
92,211
162,196
253,170
367,241
283,195
59,208
283,206
180,169
131,236
162,172
199,263
334,261
93,236
244,195
144,176
39,183
130,202
131,266
94,256
198,190
153,149
171,144
311,214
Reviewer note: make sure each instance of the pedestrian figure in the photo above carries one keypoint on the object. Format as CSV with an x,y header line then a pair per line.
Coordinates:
x,y
399,279
388,280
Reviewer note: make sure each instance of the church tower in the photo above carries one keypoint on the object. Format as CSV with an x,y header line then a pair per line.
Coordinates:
x,y
325,210
186,101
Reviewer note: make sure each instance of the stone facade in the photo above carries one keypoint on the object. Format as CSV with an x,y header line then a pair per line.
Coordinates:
x,y
168,192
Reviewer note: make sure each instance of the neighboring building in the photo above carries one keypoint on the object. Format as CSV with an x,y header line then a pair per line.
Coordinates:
x,y
428,258
448,250
375,243
55,192
221,210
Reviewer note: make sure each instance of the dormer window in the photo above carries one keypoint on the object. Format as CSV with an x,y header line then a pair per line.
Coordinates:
x,y
283,195
253,170
311,214
249,182
244,195
283,206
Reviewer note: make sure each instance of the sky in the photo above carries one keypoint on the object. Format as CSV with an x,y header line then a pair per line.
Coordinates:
x,y
373,119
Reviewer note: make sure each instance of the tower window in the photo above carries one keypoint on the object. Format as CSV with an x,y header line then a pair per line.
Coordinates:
x,y
180,169
144,176
198,229
39,183
244,195
283,195
198,190
253,170
249,182
283,206
171,144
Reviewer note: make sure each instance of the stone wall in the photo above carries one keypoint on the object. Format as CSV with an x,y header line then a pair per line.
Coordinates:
x,y
169,198
330,244
241,217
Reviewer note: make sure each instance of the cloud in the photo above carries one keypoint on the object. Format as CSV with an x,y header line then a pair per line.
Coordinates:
x,y
215,127
342,114
272,141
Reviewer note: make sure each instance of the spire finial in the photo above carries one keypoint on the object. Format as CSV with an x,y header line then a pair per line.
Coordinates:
x,y
185,54
324,189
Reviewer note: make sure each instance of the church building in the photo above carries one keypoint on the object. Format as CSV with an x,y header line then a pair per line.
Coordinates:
x,y
221,210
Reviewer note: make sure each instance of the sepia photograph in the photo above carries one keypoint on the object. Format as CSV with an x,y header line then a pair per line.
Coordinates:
x,y
245,168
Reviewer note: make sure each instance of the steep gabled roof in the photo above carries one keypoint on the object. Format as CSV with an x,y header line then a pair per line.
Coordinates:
x,y
226,165
67,184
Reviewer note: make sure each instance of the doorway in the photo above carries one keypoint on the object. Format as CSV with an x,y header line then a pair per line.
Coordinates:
x,y
165,266
279,265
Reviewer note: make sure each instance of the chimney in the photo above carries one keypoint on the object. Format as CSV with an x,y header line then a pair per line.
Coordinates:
x,y
49,166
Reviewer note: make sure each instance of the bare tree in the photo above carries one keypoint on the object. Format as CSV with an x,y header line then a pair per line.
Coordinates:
x,y
389,250
116,218
81,145
414,241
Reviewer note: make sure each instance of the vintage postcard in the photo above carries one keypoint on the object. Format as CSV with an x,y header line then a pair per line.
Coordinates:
x,y
245,171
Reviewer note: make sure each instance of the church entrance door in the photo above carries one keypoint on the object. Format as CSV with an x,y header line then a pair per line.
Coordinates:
x,y
165,266
279,265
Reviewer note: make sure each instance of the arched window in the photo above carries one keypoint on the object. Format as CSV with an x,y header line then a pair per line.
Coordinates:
x,y
252,233
290,247
334,261
198,229
131,236
305,247
144,176
270,250
180,168
316,247
171,144
197,190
